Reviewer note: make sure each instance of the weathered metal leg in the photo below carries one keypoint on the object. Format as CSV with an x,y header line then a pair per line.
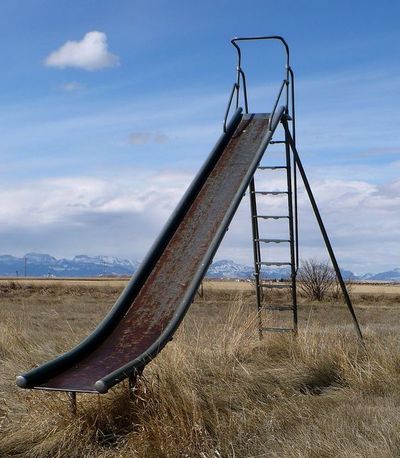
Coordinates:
x,y
200,290
293,270
322,229
72,401
132,382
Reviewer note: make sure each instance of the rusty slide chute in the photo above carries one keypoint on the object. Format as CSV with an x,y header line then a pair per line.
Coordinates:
x,y
149,310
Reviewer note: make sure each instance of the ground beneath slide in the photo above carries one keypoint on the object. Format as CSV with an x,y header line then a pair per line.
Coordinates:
x,y
157,301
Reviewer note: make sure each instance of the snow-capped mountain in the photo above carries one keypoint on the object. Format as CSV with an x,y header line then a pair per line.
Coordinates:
x,y
390,275
229,269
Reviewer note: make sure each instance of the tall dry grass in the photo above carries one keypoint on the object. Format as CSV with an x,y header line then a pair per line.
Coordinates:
x,y
214,391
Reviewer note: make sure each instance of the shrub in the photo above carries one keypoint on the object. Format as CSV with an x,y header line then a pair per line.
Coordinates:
x,y
317,279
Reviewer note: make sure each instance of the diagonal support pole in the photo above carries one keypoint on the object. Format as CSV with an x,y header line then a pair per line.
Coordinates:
x,y
292,237
322,228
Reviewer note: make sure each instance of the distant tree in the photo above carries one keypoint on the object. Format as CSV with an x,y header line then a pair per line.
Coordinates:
x,y
317,279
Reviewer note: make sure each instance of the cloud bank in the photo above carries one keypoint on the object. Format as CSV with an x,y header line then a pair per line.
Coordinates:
x,y
72,215
91,53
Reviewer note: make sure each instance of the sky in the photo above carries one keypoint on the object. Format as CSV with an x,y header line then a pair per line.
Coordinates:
x,y
108,109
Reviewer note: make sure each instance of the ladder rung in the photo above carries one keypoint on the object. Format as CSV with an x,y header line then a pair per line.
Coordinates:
x,y
272,167
277,142
272,240
271,193
278,308
277,329
274,286
277,263
271,216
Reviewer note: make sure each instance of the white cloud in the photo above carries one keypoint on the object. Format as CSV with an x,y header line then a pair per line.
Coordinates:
x,y
73,215
91,53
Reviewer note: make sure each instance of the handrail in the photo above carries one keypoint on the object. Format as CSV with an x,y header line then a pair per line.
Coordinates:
x,y
284,83
270,37
246,105
234,88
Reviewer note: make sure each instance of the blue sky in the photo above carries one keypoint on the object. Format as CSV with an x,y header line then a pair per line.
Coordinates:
x,y
98,145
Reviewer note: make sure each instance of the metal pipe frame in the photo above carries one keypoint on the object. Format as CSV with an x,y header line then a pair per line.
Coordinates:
x,y
235,41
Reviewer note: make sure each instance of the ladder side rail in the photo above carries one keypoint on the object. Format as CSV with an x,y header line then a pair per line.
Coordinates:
x,y
295,189
256,252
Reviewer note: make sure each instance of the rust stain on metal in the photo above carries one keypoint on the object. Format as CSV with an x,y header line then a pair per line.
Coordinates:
x,y
157,301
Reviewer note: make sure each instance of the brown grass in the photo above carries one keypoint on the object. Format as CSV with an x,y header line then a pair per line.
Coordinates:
x,y
215,391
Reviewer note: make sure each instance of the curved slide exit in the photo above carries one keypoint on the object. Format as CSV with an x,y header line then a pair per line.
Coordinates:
x,y
149,310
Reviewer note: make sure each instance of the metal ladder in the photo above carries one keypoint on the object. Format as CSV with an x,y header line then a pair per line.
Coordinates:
x,y
292,165
262,284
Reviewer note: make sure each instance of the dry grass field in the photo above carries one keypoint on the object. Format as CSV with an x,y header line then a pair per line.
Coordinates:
x,y
215,390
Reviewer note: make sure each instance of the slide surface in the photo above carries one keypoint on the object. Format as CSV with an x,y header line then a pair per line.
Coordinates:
x,y
156,299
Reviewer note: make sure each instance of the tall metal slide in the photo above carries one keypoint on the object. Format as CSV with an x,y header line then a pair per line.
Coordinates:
x,y
150,309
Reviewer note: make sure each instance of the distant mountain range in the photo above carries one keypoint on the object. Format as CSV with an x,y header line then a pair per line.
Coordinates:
x,y
45,265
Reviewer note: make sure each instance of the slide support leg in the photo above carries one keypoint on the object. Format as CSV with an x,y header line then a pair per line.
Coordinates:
x,y
322,229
